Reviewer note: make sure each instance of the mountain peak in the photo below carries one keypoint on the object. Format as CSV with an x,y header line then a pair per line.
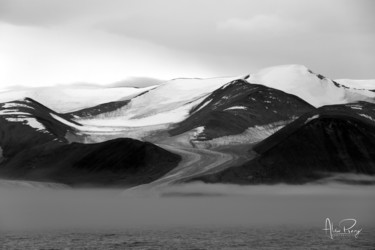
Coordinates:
x,y
312,87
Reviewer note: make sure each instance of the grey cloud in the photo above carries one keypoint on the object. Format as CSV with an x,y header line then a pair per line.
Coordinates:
x,y
55,12
329,36
333,37
36,12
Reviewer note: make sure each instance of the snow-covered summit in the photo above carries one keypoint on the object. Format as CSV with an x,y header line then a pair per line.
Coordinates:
x,y
313,88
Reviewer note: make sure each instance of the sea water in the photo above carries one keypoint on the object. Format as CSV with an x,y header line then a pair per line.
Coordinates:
x,y
194,216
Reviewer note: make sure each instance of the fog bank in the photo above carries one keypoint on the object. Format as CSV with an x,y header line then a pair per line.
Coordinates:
x,y
187,205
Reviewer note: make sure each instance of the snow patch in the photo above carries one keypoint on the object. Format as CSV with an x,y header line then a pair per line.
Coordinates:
x,y
367,116
236,107
311,118
204,105
356,107
251,135
32,122
12,112
197,131
15,105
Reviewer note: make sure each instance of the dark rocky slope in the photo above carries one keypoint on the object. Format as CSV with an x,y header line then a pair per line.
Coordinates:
x,y
34,146
27,123
239,105
119,162
333,139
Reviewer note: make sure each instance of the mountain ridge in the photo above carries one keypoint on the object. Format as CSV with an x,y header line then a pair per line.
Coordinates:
x,y
270,126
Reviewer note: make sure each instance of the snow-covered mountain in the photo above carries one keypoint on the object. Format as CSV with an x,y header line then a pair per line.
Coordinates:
x,y
239,106
167,103
293,116
357,84
65,99
311,87
35,144
27,123
172,101
185,100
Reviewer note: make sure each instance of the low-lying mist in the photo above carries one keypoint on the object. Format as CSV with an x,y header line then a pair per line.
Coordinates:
x,y
191,205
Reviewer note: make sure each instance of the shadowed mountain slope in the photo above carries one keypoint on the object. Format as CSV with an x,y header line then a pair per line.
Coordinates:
x,y
332,139
34,147
119,162
27,123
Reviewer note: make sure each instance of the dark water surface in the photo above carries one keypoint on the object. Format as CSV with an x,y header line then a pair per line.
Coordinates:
x,y
195,216
188,238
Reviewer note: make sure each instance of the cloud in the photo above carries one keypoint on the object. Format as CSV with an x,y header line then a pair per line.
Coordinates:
x,y
260,24
37,12
225,37
245,36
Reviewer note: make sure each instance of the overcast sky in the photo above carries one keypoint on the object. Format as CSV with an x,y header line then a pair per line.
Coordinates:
x,y
46,42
